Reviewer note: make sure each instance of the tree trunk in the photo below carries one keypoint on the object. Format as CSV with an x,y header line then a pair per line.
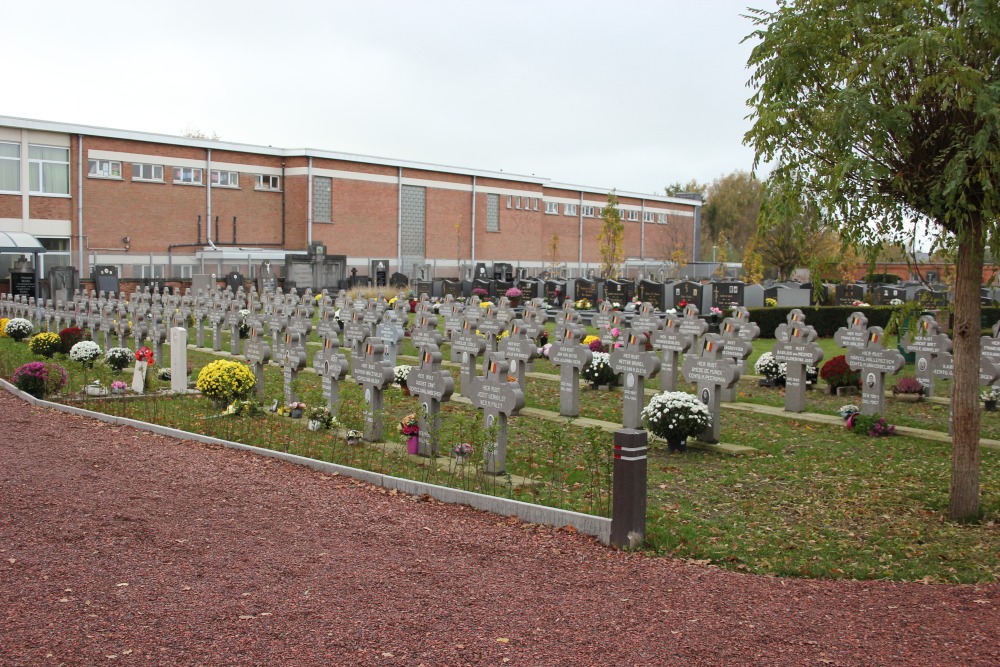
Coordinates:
x,y
964,501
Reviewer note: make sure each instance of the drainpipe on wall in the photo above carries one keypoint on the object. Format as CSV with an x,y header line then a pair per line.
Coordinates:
x,y
309,215
208,194
580,215
642,231
79,201
473,240
399,219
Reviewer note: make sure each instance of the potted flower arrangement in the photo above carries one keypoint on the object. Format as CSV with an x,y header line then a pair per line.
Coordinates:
x,y
599,372
583,304
18,328
839,375
144,354
463,452
118,386
481,293
86,352
244,408
353,437
399,375
293,410
224,381
514,295
3,327
44,344
774,371
245,321
39,379
410,427
118,358
909,389
675,416
989,397
69,337
320,418
871,425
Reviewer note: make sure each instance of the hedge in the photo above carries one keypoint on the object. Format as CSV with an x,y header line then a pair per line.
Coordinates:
x,y
827,319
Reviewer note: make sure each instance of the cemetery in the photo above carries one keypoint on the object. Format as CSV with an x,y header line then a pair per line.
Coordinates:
x,y
496,398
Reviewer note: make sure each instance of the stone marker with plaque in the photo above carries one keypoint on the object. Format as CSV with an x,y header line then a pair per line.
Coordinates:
x,y
392,335
257,353
425,332
874,361
712,372
178,360
855,334
571,357
490,327
331,366
292,359
645,319
634,364
498,399
432,386
735,346
356,331
671,342
798,349
466,348
518,350
927,342
370,370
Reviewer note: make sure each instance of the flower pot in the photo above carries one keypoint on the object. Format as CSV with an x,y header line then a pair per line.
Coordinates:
x,y
406,389
413,444
116,390
909,398
461,459
677,444
295,413
92,390
990,406
353,441
315,425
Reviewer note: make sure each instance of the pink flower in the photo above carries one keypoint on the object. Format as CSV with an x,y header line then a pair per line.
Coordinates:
x,y
616,332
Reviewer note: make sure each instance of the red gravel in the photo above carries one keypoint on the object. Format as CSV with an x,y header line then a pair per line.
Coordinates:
x,y
117,546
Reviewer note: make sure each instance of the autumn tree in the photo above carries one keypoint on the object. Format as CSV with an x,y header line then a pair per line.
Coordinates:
x,y
793,234
884,113
611,240
691,187
731,209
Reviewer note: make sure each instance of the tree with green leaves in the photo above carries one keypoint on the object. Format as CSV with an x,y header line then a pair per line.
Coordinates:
x,y
691,187
792,234
731,209
886,112
611,240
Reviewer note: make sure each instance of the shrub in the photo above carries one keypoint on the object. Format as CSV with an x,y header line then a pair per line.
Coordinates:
x,y
86,352
770,367
837,373
908,385
45,344
69,337
675,415
225,381
19,328
3,327
599,371
872,425
118,358
39,379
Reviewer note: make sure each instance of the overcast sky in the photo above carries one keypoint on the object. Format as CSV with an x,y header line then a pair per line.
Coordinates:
x,y
629,94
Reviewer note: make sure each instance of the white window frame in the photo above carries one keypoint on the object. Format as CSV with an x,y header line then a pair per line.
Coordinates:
x,y
517,202
225,179
267,182
570,209
110,169
35,165
139,167
158,271
633,216
510,201
17,169
535,203
588,211
551,208
661,218
189,176
647,216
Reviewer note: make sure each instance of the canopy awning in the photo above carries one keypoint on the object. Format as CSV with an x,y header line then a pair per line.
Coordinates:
x,y
19,243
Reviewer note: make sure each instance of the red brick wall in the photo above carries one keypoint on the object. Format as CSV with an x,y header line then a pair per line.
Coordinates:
x,y
10,206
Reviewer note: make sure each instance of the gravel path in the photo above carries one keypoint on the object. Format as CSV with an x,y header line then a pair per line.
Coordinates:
x,y
117,546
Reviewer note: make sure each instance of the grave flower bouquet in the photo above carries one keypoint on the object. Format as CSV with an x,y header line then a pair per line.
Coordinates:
x,y
991,393
144,354
119,386
872,425
45,344
409,425
86,352
770,367
837,373
676,415
244,408
245,321
323,416
582,304
462,450
513,293
480,292
18,328
39,379
399,375
847,411
225,381
118,358
599,371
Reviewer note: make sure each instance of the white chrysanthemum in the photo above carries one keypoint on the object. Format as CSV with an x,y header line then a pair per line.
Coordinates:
x,y
85,351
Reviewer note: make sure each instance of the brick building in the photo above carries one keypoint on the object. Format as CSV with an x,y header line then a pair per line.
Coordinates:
x,y
159,206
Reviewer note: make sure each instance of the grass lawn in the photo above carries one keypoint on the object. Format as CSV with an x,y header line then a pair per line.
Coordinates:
x,y
817,501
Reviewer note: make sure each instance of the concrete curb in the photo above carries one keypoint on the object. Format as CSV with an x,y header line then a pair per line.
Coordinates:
x,y
587,524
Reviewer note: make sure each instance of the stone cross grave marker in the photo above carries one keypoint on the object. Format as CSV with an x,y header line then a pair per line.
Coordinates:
x,y
518,351
300,322
374,374
645,320
571,357
356,331
505,313
498,399
712,372
432,386
139,376
425,332
874,361
602,322
671,341
158,335
855,334
451,316
989,346
635,364
331,366
391,333
107,324
274,318
293,359
122,327
490,327
372,311
691,323
944,368
234,318
328,327
216,316
927,342
200,314
797,347
783,331
466,348
178,359
140,325
735,346
567,317
257,353
749,331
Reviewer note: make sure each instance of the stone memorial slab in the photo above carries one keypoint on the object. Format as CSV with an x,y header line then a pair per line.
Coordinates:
x,y
687,293
846,295
727,295
798,349
618,292
139,376
634,364
671,342
370,370
432,386
178,359
653,293
712,372
570,357
498,399
874,361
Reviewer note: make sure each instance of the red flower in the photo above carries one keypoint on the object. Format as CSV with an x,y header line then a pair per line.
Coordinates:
x,y
144,354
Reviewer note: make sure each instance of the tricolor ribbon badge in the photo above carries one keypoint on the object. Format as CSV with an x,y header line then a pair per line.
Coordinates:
x,y
873,337
709,346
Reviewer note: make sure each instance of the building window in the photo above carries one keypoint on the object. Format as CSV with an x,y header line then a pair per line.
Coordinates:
x,y
104,169
10,167
510,201
265,182
569,209
493,212
151,271
661,218
588,211
552,208
187,175
147,172
322,199
647,216
517,202
633,216
48,171
225,179
534,203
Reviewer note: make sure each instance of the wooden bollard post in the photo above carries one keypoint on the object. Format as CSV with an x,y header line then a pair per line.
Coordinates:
x,y
628,512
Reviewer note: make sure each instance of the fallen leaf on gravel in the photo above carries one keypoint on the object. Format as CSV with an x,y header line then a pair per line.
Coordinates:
x,y
981,601
502,640
386,654
121,585
64,599
11,560
245,617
